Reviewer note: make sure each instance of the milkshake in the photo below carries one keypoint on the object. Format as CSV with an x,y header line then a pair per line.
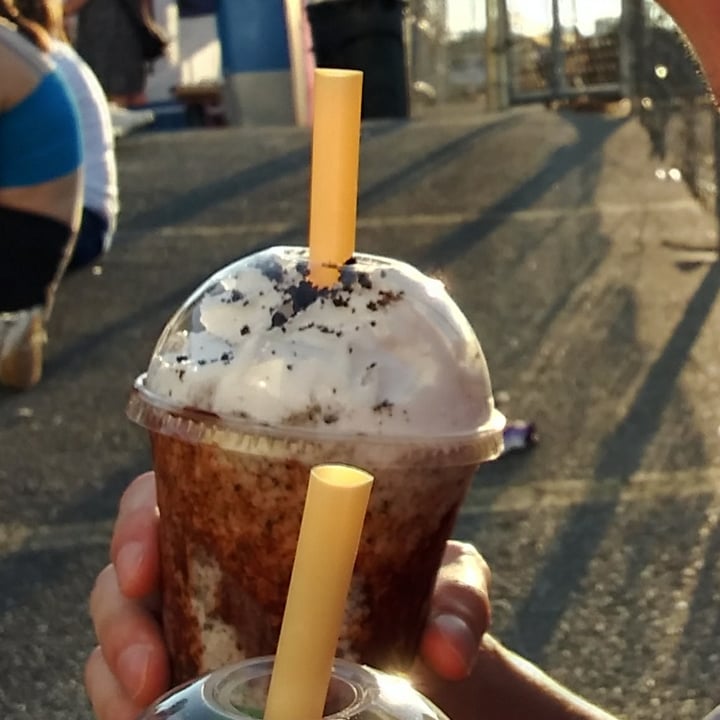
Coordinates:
x,y
262,375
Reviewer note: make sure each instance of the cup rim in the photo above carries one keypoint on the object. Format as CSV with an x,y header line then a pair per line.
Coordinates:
x,y
145,408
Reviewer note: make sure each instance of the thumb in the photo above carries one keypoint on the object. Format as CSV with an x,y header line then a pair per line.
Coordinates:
x,y
459,615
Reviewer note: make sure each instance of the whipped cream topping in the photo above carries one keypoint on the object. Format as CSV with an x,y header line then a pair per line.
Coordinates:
x,y
383,351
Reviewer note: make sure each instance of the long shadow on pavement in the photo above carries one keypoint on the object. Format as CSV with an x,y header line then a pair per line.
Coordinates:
x,y
620,455
584,156
421,167
184,207
591,137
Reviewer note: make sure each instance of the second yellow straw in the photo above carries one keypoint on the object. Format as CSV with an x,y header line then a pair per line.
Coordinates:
x,y
332,521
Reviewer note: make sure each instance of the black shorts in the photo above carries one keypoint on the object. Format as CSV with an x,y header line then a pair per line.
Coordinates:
x,y
32,249
90,243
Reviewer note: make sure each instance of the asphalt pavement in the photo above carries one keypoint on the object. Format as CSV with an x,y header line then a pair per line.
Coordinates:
x,y
552,231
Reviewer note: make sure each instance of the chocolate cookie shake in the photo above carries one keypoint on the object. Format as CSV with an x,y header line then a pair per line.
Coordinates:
x,y
260,376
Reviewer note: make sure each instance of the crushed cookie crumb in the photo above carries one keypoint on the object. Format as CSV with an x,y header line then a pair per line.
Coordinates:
x,y
388,297
310,414
278,319
348,277
385,405
273,271
364,280
303,295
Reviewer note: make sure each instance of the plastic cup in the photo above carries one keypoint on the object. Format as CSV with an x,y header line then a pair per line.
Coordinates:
x,y
231,492
239,692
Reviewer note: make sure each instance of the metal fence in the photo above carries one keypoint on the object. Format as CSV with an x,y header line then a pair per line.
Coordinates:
x,y
560,62
447,69
453,67
639,55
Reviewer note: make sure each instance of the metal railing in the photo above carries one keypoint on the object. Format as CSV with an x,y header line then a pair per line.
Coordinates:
x,y
642,56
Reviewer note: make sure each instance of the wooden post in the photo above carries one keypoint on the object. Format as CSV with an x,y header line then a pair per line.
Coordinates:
x,y
496,55
557,53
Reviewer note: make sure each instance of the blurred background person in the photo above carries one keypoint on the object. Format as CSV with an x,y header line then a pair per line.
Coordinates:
x,y
100,203
40,192
108,40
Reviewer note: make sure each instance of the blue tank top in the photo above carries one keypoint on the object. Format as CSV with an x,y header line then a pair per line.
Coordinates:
x,y
40,136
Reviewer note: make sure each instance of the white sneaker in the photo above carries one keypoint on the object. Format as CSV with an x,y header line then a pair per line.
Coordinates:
x,y
22,345
125,121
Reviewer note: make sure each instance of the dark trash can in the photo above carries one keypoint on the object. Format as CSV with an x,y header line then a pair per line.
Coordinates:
x,y
365,35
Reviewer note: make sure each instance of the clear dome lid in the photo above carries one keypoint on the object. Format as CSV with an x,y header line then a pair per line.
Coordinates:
x,y
239,692
384,353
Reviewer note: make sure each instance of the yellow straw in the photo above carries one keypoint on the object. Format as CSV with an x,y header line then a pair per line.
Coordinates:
x,y
335,508
334,174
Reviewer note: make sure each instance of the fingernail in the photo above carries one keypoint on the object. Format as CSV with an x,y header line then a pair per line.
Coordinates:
x,y
128,560
132,667
460,638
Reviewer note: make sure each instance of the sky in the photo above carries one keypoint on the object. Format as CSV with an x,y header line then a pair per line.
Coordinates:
x,y
533,16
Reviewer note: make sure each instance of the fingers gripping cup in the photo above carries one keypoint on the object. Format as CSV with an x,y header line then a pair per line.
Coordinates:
x,y
261,375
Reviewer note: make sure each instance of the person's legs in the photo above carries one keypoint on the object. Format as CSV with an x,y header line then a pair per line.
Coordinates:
x,y
34,248
91,240
35,252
